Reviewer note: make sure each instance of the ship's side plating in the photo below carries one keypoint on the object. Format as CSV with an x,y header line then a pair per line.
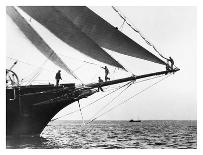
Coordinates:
x,y
30,108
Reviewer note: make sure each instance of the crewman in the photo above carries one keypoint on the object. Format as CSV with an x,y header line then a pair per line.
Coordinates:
x,y
100,80
106,73
58,77
168,66
171,62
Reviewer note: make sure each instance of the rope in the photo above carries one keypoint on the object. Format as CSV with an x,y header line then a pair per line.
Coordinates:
x,y
30,64
108,103
102,98
39,70
88,62
26,78
20,61
81,112
121,27
79,67
137,31
128,99
90,103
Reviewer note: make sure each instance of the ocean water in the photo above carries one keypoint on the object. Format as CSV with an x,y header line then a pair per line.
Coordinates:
x,y
112,135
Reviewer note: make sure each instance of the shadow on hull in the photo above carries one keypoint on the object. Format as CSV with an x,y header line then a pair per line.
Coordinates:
x,y
30,109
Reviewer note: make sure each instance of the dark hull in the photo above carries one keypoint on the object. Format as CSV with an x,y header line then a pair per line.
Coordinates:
x,y
30,109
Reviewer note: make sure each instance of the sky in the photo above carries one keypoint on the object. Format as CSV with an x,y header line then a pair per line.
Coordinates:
x,y
171,29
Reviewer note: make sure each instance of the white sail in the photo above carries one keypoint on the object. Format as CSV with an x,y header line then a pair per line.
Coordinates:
x,y
36,40
104,34
64,29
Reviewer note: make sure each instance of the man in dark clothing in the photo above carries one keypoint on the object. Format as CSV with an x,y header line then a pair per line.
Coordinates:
x,y
171,63
106,73
168,68
58,77
100,88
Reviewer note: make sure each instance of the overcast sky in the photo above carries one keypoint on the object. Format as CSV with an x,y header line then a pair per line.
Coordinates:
x,y
170,29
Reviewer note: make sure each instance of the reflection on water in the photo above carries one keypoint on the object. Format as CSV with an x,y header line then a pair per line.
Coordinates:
x,y
112,135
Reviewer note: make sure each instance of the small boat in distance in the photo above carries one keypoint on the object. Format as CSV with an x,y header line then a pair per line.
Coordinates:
x,y
138,120
134,120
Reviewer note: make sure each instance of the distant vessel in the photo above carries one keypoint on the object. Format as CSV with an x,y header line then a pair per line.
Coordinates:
x,y
132,120
29,108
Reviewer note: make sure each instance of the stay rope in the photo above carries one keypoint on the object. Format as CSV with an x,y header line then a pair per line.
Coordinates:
x,y
26,63
90,103
136,30
135,82
103,97
108,103
38,71
114,107
88,62
81,112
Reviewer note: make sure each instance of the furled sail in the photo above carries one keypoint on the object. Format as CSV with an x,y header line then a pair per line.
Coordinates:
x,y
104,34
34,37
64,29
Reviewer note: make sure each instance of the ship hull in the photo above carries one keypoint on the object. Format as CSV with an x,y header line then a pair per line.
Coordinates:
x,y
30,109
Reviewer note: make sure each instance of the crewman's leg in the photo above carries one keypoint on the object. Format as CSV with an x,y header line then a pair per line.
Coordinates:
x,y
57,82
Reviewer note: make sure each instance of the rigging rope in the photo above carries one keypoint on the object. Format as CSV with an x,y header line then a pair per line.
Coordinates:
x,y
122,25
79,67
26,63
39,70
88,62
137,31
81,112
128,99
90,103
103,97
108,103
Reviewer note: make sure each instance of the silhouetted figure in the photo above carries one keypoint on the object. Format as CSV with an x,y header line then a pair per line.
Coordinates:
x,y
100,80
168,68
171,63
106,73
58,77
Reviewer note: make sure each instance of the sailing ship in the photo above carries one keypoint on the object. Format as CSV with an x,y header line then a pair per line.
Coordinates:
x,y
29,108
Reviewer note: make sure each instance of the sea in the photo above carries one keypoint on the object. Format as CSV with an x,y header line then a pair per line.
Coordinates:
x,y
147,134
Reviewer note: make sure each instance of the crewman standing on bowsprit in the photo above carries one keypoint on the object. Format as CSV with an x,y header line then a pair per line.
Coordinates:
x,y
100,80
172,62
106,73
170,66
58,77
